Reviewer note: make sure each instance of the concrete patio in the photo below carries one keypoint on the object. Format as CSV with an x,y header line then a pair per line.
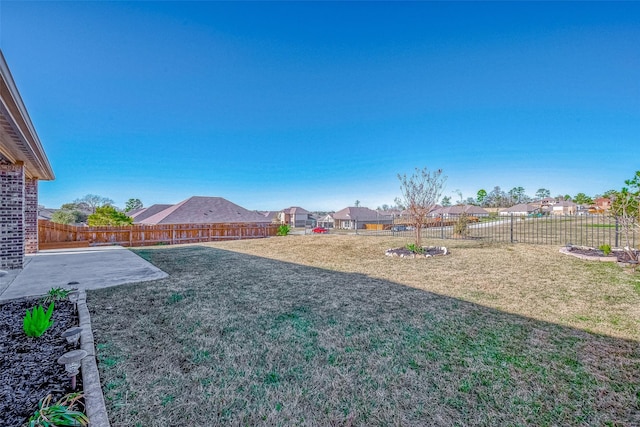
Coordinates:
x,y
90,268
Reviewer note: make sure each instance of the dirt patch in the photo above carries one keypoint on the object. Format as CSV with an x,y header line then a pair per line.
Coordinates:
x,y
29,365
428,252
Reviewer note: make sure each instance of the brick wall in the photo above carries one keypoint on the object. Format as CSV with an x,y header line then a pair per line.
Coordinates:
x,y
30,216
11,216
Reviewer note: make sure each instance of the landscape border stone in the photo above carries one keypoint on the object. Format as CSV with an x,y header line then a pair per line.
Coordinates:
x,y
95,407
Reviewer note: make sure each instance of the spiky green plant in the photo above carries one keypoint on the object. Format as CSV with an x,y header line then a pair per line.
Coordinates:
x,y
63,413
283,230
36,322
415,249
55,294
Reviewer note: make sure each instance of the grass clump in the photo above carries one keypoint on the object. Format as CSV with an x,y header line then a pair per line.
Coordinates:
x,y
65,412
55,294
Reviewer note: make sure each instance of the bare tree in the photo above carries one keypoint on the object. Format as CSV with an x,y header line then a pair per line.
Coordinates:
x,y
625,207
93,201
420,193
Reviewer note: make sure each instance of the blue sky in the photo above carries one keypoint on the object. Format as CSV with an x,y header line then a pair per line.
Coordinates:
x,y
320,104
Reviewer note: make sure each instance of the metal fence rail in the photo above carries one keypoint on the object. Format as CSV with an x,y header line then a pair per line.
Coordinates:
x,y
583,230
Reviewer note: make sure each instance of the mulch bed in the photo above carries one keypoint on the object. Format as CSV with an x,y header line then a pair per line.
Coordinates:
x,y
619,255
29,365
429,251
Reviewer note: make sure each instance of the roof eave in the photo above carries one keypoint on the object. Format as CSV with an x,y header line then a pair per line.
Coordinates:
x,y
20,142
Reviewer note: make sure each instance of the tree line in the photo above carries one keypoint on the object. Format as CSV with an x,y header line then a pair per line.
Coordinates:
x,y
95,211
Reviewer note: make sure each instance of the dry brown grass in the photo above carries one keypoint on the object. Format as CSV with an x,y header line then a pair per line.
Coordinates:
x,y
326,330
535,281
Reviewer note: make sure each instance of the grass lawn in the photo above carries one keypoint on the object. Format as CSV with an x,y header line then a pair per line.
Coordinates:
x,y
325,330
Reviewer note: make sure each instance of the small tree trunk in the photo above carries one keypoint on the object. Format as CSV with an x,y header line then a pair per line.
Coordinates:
x,y
418,235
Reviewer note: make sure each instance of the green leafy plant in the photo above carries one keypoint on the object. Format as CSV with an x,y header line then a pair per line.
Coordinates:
x,y
55,294
606,249
283,230
36,322
65,412
415,249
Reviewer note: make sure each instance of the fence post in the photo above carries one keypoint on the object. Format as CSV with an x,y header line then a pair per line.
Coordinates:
x,y
616,232
511,231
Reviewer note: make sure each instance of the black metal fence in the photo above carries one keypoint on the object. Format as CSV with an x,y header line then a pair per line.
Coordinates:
x,y
583,230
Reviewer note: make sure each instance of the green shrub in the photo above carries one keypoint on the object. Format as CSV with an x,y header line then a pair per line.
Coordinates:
x,y
63,413
415,249
35,323
283,230
606,249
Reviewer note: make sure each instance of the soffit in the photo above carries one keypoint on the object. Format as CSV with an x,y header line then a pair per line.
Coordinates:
x,y
19,141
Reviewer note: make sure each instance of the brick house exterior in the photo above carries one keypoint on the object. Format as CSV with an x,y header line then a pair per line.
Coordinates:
x,y
23,163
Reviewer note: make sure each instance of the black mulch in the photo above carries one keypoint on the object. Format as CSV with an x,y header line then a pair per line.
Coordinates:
x,y
431,250
29,365
622,256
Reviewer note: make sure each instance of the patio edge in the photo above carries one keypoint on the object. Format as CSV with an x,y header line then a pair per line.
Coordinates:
x,y
93,398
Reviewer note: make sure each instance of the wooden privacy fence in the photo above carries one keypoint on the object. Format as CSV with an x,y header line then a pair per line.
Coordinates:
x,y
54,236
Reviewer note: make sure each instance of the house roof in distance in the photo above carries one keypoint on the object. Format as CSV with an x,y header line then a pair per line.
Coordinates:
x,y
521,207
295,210
359,214
140,215
460,209
270,215
202,210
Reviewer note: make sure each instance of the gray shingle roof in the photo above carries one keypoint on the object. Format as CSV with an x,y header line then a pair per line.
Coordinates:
x,y
201,210
459,209
360,214
295,210
522,207
140,215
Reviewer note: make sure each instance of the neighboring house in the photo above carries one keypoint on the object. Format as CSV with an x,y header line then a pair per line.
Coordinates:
x,y
456,211
203,210
601,204
141,214
133,212
565,207
326,221
520,209
45,213
313,220
23,163
582,210
404,217
294,216
548,201
352,218
272,216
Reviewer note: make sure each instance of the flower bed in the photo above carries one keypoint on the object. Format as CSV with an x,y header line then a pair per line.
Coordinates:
x,y
29,365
